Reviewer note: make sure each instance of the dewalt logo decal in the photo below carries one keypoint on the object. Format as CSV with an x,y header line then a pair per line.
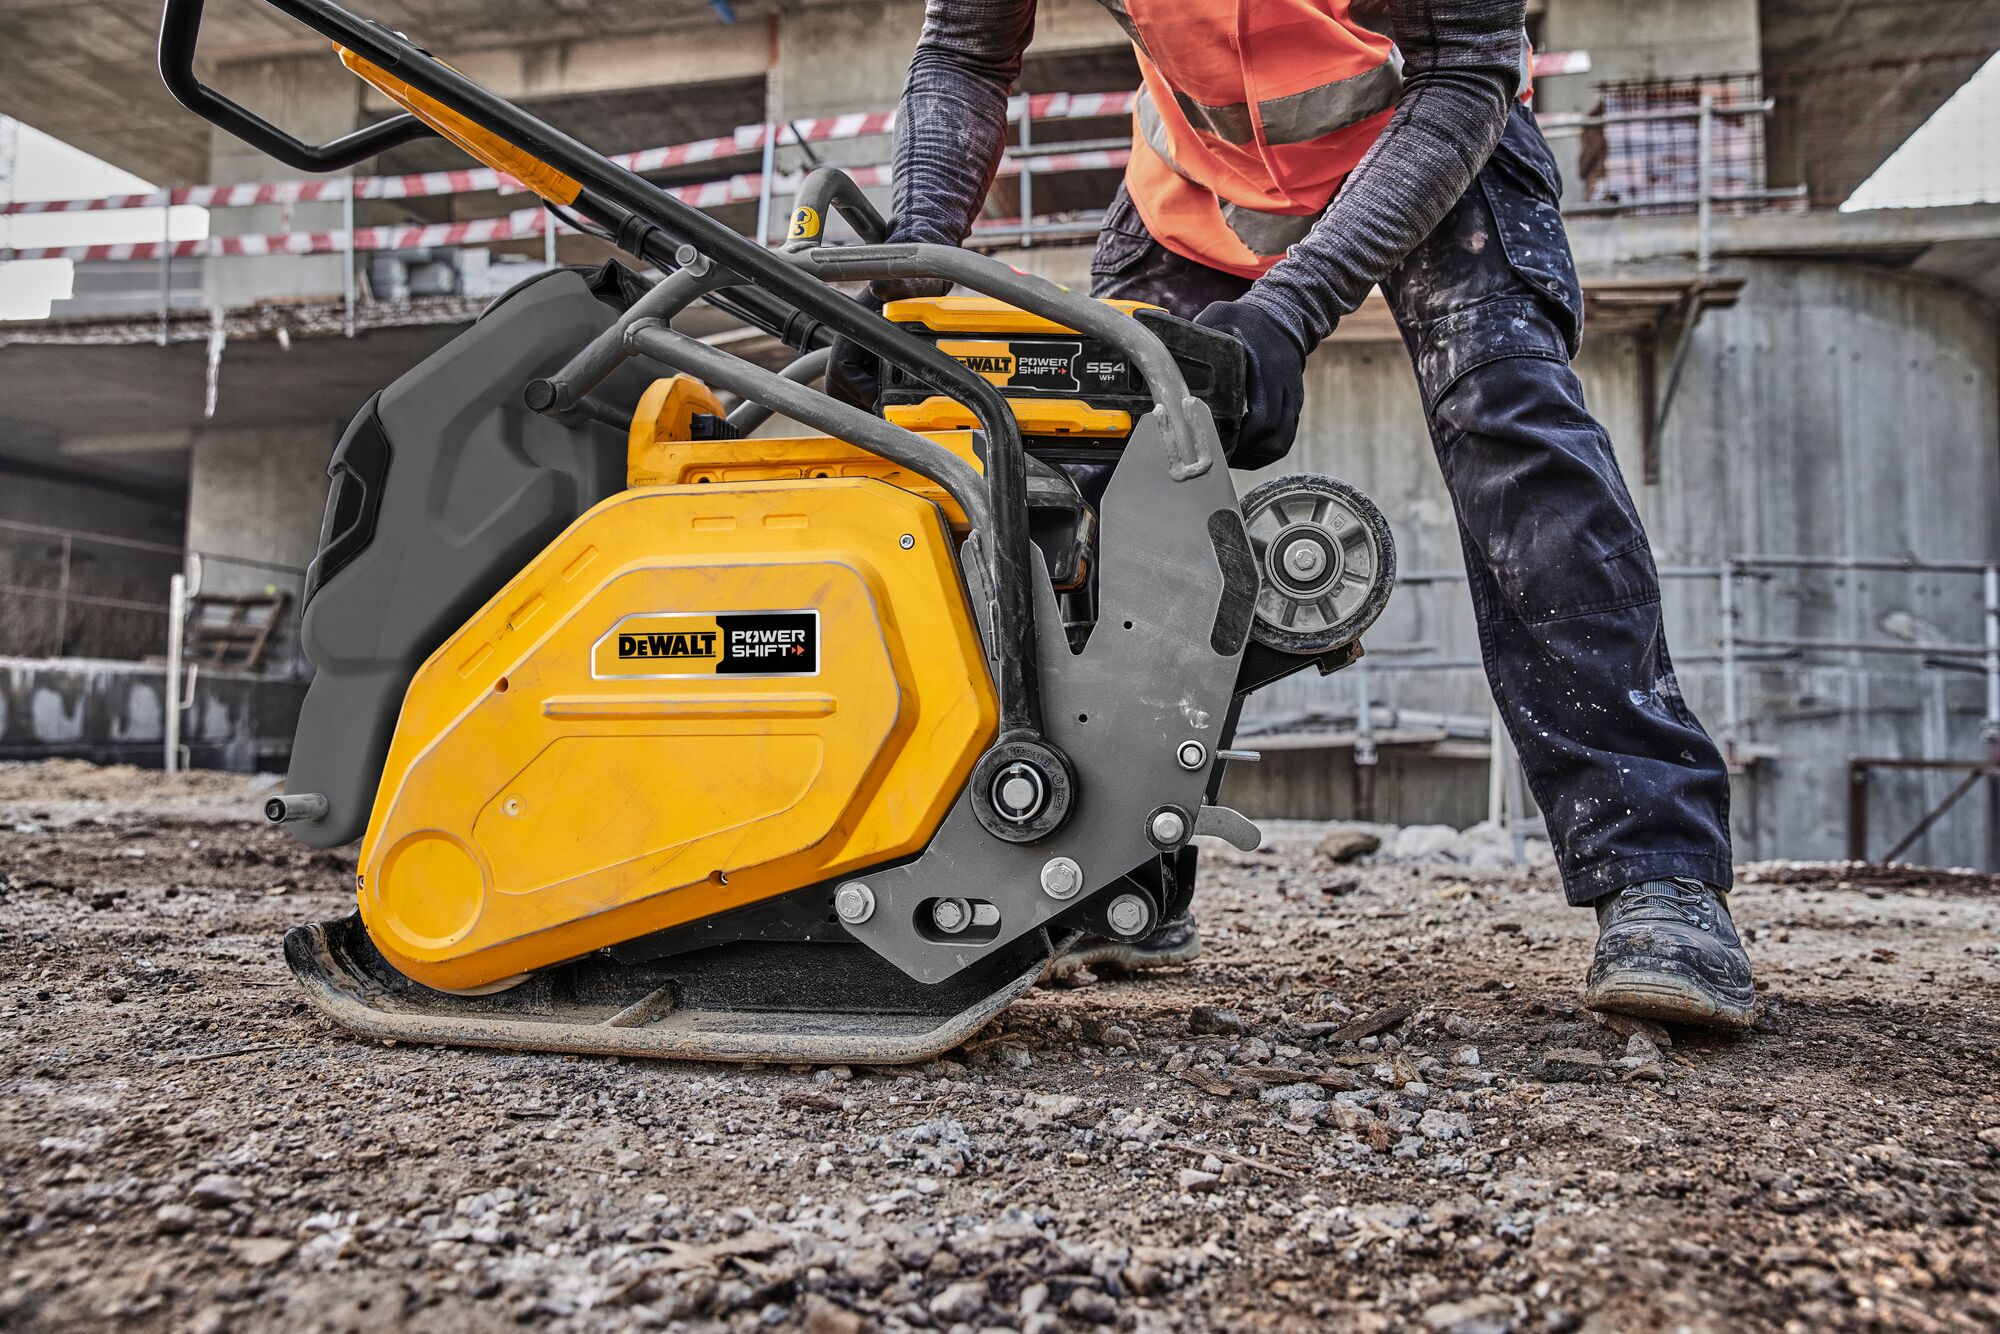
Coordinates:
x,y
1033,365
654,646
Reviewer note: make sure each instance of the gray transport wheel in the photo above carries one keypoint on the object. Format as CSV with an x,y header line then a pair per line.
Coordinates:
x,y
1325,562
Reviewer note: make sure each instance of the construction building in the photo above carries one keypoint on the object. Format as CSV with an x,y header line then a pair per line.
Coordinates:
x,y
1803,385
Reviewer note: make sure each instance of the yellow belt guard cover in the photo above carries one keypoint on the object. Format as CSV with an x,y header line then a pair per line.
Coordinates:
x,y
697,697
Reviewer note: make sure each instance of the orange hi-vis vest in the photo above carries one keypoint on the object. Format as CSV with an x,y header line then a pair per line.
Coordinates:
x,y
1252,115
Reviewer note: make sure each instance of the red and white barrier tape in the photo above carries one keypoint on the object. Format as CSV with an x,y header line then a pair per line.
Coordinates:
x,y
527,222
520,224
745,139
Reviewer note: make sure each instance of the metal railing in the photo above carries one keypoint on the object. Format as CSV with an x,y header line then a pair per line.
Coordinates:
x,y
42,618
1982,657
1367,724
45,618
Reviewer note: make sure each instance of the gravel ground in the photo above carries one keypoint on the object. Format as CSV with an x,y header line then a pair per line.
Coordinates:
x,y
1373,1103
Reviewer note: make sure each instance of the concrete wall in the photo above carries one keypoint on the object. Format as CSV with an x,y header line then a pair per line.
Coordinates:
x,y
1410,788
114,712
1875,400
1836,409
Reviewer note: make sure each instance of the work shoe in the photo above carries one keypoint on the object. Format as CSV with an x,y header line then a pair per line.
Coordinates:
x,y
1667,950
1172,942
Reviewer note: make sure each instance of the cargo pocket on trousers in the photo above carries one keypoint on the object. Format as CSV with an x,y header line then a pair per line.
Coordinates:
x,y
1523,190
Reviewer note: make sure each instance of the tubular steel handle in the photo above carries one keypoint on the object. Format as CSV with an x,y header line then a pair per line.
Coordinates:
x,y
831,190
180,31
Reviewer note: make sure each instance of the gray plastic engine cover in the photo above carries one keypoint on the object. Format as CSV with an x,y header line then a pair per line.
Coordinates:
x,y
476,485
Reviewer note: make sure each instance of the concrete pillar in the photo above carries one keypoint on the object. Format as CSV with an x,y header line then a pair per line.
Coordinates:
x,y
252,493
313,98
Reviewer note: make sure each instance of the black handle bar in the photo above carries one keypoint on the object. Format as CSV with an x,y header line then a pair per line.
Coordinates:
x,y
180,30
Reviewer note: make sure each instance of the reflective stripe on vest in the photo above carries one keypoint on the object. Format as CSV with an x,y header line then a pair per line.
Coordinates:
x,y
1264,235
1231,179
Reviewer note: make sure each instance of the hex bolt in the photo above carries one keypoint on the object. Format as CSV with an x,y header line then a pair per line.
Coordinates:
x,y
1192,755
906,541
1061,878
1169,827
951,916
1128,915
854,902
1304,558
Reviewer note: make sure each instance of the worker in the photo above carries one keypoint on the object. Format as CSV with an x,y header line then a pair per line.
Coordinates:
x,y
1287,156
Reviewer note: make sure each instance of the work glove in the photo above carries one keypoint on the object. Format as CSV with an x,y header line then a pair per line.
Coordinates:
x,y
854,374
1274,380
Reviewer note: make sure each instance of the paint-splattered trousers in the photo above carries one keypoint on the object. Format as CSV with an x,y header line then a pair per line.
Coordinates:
x,y
1563,584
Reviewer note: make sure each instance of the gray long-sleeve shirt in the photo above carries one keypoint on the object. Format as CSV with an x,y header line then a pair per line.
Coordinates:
x,y
1461,62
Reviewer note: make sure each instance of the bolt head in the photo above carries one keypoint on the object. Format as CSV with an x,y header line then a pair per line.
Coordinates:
x,y
854,902
1169,827
951,916
1304,558
906,541
1192,754
1127,914
1061,878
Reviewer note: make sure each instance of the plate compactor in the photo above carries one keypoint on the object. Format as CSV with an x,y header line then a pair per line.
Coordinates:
x,y
663,738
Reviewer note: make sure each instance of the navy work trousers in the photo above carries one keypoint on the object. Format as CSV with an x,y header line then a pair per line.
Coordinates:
x,y
1562,577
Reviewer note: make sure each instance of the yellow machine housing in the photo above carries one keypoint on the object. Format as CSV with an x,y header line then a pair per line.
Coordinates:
x,y
590,758
662,450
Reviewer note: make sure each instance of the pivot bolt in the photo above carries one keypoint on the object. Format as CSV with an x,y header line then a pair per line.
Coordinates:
x,y
1192,754
951,916
1169,827
854,902
1019,793
1061,878
1129,915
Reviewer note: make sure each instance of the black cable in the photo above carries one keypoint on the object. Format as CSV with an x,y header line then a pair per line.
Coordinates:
x,y
577,224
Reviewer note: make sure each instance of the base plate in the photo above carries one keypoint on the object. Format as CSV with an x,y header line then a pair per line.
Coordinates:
x,y
815,1004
